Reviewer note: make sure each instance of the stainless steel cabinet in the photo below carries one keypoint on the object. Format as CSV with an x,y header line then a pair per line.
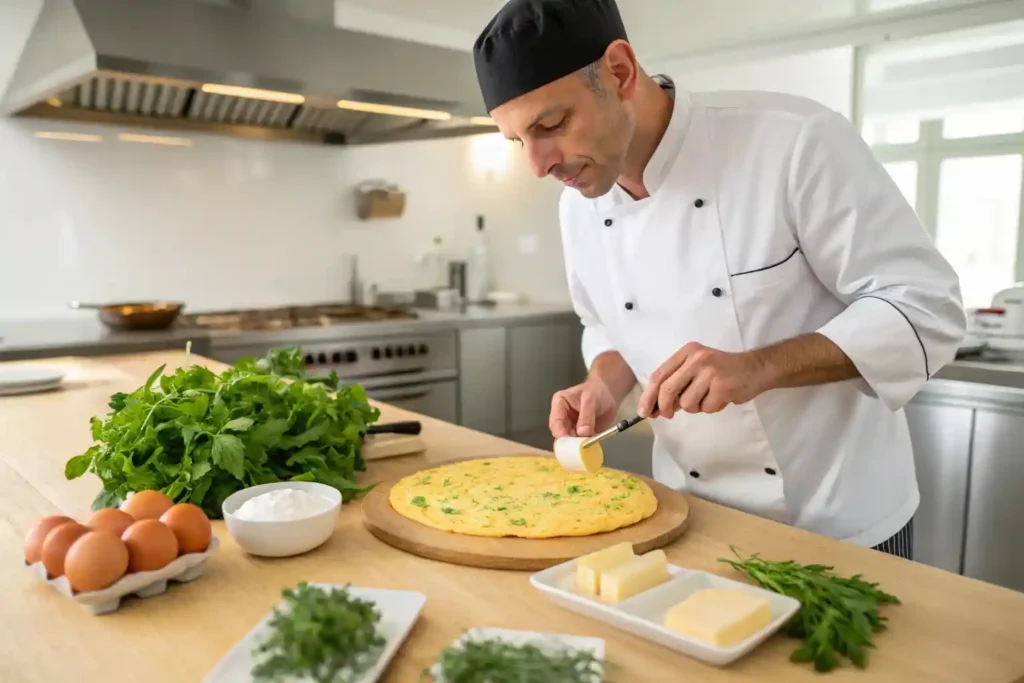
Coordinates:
x,y
994,548
941,436
483,379
540,363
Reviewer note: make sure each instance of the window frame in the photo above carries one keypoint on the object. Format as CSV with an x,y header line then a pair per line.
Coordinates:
x,y
930,150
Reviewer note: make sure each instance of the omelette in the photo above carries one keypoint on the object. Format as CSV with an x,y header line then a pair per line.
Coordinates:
x,y
528,497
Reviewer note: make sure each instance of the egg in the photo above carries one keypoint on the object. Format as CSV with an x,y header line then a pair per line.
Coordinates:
x,y
34,539
96,560
147,504
151,545
116,521
190,525
56,546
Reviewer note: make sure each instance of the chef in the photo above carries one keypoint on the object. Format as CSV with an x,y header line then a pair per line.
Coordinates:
x,y
745,259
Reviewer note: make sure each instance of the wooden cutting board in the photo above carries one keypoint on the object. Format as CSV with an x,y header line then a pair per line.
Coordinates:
x,y
525,554
378,446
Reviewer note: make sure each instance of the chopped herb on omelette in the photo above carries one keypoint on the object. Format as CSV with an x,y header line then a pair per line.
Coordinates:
x,y
522,496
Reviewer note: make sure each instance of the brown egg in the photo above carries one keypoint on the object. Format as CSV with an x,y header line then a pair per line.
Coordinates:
x,y
96,560
190,525
34,539
147,505
112,519
56,546
151,545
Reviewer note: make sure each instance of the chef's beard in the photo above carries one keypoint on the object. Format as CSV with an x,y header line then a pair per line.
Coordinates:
x,y
610,144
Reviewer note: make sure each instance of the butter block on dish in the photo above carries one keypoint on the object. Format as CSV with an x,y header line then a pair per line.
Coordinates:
x,y
634,576
571,454
720,616
590,567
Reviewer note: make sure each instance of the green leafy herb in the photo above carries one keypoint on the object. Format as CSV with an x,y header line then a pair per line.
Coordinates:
x,y
501,509
517,522
837,617
422,481
574,489
199,436
499,488
447,482
419,501
551,496
449,511
494,661
322,635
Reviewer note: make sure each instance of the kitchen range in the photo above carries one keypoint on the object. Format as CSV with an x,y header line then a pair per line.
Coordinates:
x,y
416,371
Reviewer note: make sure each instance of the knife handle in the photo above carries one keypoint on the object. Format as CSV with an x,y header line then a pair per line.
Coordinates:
x,y
410,427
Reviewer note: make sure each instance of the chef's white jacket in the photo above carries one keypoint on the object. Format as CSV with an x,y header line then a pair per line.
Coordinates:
x,y
768,218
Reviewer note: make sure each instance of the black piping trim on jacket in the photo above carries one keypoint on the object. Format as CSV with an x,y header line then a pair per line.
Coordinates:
x,y
927,372
774,265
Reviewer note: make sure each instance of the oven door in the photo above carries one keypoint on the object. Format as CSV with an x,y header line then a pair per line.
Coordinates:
x,y
427,393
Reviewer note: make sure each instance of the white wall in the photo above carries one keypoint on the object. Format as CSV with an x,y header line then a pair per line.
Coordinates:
x,y
233,222
823,75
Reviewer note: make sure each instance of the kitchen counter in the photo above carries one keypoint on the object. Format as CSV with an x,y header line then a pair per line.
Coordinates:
x,y
86,336
949,628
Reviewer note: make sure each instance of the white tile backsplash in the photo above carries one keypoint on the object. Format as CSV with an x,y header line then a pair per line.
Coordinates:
x,y
235,222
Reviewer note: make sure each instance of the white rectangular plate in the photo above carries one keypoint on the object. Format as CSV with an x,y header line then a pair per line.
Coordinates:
x,y
545,641
644,614
399,610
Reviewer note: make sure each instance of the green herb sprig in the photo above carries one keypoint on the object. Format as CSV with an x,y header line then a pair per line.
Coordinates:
x,y
321,635
495,661
837,617
199,436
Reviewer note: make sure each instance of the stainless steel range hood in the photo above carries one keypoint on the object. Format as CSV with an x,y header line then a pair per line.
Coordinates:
x,y
179,64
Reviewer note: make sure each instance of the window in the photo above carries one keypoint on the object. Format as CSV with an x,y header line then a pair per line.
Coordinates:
x,y
978,221
982,123
892,132
905,175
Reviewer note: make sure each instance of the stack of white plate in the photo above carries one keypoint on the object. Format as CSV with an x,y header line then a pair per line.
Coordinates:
x,y
29,379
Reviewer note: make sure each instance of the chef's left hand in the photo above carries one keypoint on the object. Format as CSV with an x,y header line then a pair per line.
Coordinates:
x,y
701,379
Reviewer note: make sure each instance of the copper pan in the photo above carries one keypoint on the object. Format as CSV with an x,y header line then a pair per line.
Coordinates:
x,y
138,315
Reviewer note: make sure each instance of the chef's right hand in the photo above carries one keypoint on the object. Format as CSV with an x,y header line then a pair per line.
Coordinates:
x,y
582,410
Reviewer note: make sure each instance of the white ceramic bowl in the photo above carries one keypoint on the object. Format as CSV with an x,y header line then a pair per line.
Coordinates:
x,y
282,539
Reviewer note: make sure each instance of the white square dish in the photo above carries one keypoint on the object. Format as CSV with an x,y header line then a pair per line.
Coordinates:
x,y
399,611
544,641
643,614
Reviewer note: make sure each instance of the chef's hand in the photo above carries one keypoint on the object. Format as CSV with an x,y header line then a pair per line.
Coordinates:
x,y
582,410
699,379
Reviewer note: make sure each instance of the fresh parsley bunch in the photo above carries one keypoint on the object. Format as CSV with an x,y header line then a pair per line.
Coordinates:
x,y
838,616
199,436
495,661
321,635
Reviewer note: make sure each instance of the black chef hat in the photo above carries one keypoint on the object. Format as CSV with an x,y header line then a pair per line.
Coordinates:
x,y
531,43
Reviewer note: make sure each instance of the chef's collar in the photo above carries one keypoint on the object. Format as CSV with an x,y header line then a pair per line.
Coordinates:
x,y
665,154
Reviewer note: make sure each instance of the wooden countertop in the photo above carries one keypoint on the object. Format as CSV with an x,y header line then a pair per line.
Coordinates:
x,y
949,628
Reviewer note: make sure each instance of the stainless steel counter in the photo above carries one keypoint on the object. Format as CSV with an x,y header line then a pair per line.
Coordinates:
x,y
87,337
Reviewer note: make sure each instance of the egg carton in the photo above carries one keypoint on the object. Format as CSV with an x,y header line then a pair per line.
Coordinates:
x,y
143,584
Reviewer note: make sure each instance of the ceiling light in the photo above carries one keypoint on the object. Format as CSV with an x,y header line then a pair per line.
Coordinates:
x,y
392,110
253,93
482,121
155,139
71,137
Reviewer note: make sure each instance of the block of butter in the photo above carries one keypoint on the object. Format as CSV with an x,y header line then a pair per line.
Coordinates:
x,y
720,616
571,454
590,567
634,576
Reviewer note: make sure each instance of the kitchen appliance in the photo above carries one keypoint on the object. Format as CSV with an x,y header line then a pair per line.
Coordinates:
x,y
291,317
237,67
457,277
148,315
997,330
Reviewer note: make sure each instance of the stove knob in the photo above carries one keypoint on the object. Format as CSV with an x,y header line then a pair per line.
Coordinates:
x,y
387,352
375,353
336,357
424,350
399,351
351,357
309,359
411,350
321,358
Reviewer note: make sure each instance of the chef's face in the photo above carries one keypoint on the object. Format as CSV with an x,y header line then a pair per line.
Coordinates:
x,y
578,128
